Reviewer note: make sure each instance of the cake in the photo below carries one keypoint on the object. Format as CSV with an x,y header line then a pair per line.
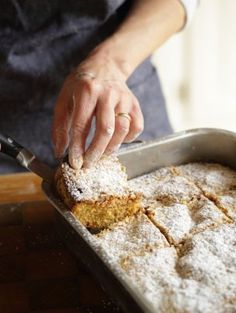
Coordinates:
x,y
216,181
209,258
211,178
170,234
132,235
179,251
178,221
153,272
176,189
98,196
156,275
147,184
227,202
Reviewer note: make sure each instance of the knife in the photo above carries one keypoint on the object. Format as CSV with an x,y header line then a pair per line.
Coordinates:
x,y
26,158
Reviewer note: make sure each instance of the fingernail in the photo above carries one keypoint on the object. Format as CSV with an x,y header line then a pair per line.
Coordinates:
x,y
113,150
130,140
75,161
116,148
133,138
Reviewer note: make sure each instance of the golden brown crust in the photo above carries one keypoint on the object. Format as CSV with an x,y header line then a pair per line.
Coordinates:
x,y
101,214
61,188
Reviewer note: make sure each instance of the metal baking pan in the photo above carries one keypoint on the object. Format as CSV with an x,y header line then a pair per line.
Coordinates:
x,y
206,145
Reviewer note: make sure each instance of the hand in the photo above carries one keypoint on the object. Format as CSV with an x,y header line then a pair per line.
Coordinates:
x,y
103,95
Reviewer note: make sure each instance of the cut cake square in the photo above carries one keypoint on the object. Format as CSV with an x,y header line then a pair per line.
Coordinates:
x,y
176,189
148,184
212,178
133,234
227,202
97,196
178,221
210,258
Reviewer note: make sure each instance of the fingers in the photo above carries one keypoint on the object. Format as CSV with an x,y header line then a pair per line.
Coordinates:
x,y
136,123
85,102
126,130
122,125
105,124
77,103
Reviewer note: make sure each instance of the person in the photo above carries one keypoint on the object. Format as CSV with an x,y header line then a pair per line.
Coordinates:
x,y
65,64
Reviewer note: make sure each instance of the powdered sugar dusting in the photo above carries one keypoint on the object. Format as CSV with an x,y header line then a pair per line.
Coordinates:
x,y
198,273
131,235
220,242
206,214
210,258
201,278
177,205
154,272
194,297
210,177
176,189
227,201
107,177
164,185
179,221
147,184
174,219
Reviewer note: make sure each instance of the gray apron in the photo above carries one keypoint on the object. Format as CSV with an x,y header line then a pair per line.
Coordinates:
x,y
41,41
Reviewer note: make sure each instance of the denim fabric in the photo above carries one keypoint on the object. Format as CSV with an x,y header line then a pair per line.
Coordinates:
x,y
41,41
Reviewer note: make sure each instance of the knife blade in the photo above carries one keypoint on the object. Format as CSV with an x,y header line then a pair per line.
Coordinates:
x,y
29,161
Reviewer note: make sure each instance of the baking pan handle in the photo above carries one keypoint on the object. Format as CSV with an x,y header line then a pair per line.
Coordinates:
x,y
13,149
9,146
26,158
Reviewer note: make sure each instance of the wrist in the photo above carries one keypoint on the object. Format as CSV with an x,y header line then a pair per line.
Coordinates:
x,y
111,50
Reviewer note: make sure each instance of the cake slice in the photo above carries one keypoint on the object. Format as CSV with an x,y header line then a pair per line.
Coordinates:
x,y
212,178
227,203
153,273
217,182
156,275
98,196
133,234
149,185
178,221
210,258
176,189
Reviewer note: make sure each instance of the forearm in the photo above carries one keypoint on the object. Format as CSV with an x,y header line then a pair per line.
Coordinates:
x,y
148,25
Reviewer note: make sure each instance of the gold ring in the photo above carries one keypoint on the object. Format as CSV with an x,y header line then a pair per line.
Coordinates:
x,y
126,115
78,75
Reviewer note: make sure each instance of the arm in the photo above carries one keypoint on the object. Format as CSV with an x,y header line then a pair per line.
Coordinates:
x,y
148,25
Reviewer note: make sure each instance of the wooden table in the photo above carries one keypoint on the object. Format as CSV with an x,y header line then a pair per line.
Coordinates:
x,y
37,272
